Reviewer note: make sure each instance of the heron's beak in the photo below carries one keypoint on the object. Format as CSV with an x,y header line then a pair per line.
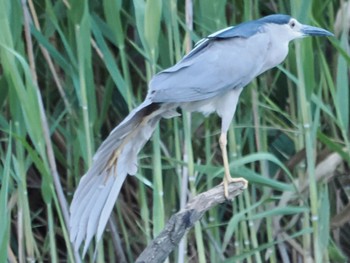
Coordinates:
x,y
314,31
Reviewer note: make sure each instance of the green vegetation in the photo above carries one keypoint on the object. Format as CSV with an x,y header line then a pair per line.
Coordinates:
x,y
72,69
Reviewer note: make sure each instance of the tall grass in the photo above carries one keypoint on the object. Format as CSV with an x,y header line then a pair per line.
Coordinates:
x,y
82,66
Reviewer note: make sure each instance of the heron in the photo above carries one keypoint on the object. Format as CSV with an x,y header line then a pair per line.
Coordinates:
x,y
210,78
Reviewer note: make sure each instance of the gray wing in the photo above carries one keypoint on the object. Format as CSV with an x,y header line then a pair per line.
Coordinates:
x,y
216,66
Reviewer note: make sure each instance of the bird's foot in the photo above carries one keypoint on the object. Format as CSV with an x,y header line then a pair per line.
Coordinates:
x,y
228,179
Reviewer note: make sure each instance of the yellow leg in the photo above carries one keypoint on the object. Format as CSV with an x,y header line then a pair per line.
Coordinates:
x,y
227,176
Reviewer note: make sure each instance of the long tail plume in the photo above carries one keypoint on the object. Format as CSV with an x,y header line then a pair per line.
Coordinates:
x,y
98,189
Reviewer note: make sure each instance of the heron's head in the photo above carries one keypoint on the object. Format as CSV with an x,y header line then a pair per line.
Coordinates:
x,y
288,28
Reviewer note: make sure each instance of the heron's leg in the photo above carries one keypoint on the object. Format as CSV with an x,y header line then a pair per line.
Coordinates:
x,y
227,177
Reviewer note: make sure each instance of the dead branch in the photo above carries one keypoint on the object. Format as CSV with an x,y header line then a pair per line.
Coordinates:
x,y
160,248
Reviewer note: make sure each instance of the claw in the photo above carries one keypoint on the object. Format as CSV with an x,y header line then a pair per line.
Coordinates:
x,y
228,179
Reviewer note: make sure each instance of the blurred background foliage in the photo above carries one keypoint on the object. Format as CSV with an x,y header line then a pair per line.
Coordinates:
x,y
73,69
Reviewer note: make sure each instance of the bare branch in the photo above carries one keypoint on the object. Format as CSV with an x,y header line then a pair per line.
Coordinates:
x,y
160,248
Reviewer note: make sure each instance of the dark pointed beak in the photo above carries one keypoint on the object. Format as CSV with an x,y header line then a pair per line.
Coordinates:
x,y
315,31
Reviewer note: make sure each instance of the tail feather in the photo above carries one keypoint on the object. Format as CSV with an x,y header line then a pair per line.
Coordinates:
x,y
77,219
99,188
100,204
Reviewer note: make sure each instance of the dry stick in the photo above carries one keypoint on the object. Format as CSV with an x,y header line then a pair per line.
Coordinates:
x,y
48,59
117,243
177,226
45,126
185,170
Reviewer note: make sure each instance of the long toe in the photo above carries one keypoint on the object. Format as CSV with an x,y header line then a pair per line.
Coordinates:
x,y
238,180
228,179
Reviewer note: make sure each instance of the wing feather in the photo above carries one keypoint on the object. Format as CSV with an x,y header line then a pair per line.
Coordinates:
x,y
222,65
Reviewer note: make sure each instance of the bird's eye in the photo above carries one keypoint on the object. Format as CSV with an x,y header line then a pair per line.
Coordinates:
x,y
292,24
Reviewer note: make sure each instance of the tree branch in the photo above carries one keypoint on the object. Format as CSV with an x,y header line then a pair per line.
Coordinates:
x,y
160,248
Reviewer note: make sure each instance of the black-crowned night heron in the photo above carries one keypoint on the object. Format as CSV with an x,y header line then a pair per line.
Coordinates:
x,y
209,79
